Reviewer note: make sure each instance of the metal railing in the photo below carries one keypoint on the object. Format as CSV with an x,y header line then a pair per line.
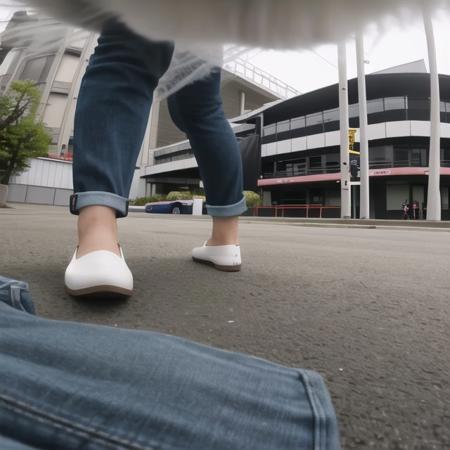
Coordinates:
x,y
261,78
305,211
336,168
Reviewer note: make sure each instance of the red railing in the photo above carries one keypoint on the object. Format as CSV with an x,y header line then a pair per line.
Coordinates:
x,y
64,157
293,210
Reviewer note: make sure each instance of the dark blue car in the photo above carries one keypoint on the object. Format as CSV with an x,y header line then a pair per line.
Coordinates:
x,y
170,207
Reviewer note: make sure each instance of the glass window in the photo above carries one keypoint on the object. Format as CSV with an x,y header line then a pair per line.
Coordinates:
x,y
315,162
269,129
283,126
314,119
10,59
375,106
331,115
353,110
298,122
442,106
419,104
37,69
418,157
401,157
394,103
396,194
444,197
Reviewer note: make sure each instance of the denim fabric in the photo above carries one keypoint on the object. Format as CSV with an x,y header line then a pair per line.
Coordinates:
x,y
76,386
16,294
112,114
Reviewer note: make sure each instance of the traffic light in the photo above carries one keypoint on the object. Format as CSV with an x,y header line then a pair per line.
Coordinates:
x,y
354,168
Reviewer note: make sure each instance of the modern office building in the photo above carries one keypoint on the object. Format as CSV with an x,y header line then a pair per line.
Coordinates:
x,y
300,153
58,71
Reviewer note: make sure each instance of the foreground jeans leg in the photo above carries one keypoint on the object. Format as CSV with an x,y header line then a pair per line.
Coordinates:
x,y
112,114
197,110
75,386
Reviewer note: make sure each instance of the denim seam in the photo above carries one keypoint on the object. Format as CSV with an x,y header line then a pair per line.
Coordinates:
x,y
91,198
320,433
61,423
227,206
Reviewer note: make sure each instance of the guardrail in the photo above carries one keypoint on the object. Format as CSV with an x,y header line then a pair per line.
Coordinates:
x,y
306,211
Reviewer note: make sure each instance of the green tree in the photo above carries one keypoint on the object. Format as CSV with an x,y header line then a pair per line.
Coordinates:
x,y
21,136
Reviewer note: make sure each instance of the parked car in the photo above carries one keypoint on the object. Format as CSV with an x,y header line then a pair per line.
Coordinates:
x,y
171,207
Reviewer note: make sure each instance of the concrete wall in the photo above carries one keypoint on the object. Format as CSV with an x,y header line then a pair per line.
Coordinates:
x,y
21,193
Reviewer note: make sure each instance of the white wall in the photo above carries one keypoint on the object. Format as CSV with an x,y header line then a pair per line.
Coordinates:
x,y
47,173
54,110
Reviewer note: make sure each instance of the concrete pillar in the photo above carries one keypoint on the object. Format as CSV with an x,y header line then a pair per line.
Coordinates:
x,y
343,123
434,196
364,208
242,104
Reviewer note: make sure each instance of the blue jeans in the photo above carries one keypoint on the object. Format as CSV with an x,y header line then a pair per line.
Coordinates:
x,y
70,385
111,118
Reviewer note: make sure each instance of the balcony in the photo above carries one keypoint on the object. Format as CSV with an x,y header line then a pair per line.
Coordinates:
x,y
335,168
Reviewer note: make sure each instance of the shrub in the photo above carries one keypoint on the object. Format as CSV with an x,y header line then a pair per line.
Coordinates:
x,y
179,195
252,198
141,201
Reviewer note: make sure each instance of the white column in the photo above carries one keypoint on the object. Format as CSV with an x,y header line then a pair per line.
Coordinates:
x,y
364,209
434,196
69,113
343,123
242,103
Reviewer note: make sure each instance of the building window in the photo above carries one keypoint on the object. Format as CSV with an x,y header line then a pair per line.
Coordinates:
x,y
396,194
394,103
380,157
283,126
314,119
444,197
297,122
401,157
419,157
269,130
375,106
331,115
7,66
353,110
37,69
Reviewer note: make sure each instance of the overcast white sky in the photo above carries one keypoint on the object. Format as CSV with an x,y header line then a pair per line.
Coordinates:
x,y
312,69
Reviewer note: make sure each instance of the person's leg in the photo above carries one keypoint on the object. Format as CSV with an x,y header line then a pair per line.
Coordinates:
x,y
110,121
197,110
111,117
70,385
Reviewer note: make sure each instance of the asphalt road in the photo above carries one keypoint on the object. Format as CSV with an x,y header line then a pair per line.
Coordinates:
x,y
367,308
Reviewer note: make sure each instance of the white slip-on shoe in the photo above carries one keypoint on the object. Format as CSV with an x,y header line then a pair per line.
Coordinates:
x,y
99,273
223,257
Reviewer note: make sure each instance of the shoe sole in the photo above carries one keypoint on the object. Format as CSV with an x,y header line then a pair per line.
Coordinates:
x,y
236,268
100,291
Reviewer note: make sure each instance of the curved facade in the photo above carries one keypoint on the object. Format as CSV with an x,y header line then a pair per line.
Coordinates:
x,y
300,153
300,145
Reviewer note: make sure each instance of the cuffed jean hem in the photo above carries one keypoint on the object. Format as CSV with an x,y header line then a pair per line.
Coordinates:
x,y
236,209
99,198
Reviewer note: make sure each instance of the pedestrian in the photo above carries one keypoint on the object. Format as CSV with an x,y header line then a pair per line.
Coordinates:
x,y
110,121
405,210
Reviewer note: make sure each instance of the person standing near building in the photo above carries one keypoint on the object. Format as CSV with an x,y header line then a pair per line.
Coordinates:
x,y
111,117
405,209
